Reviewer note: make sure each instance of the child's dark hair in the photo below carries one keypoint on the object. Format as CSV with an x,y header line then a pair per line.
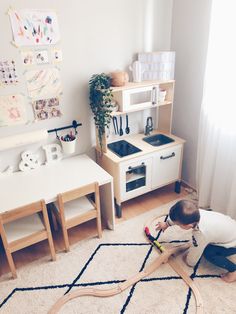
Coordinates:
x,y
185,212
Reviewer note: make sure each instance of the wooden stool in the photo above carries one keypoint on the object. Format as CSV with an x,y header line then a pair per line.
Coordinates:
x,y
74,207
23,227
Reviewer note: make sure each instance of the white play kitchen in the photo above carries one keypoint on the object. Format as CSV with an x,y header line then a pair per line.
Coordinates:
x,y
140,163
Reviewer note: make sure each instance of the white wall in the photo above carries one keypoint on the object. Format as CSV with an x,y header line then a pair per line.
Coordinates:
x,y
97,36
162,25
190,27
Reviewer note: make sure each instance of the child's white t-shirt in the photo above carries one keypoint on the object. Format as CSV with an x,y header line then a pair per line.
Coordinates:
x,y
213,228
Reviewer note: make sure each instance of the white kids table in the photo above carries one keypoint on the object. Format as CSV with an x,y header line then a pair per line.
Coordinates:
x,y
22,188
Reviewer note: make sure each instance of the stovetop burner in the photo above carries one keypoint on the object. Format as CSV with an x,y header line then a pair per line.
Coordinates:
x,y
123,148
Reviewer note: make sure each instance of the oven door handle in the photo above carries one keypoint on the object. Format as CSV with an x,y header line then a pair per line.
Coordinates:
x,y
136,167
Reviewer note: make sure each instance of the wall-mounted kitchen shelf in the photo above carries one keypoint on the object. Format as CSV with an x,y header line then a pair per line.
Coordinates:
x,y
120,113
149,99
130,85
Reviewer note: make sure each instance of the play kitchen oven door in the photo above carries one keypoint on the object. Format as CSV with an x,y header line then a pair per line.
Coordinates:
x,y
135,178
137,98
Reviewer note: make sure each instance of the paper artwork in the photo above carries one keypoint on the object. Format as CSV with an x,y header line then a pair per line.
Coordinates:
x,y
56,55
34,27
8,73
47,108
30,57
41,56
43,83
27,57
12,110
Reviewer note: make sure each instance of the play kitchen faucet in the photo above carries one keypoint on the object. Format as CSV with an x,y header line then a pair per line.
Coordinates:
x,y
149,126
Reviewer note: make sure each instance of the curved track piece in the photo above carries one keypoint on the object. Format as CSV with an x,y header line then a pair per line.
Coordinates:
x,y
120,287
177,268
163,258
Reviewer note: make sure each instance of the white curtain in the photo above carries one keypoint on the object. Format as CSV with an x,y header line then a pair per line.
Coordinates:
x,y
216,161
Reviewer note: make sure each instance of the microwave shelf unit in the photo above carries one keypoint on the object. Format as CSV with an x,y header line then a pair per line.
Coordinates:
x,y
127,98
137,98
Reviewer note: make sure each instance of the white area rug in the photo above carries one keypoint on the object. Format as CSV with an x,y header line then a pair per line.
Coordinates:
x,y
101,263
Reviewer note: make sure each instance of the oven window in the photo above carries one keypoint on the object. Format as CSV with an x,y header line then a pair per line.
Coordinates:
x,y
135,177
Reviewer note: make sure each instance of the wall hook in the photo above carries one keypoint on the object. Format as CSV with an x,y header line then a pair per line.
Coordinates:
x,y
56,134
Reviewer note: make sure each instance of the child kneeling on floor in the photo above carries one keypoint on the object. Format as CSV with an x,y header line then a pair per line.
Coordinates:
x,y
213,235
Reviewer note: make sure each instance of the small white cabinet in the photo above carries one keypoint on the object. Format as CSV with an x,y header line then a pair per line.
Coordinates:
x,y
166,166
135,178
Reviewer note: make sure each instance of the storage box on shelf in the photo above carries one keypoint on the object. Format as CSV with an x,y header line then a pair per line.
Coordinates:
x,y
158,65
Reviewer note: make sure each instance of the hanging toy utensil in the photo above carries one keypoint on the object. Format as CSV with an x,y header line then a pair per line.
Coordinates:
x,y
127,129
121,131
115,125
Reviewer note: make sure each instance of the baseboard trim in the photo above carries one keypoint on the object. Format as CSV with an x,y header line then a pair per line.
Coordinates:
x,y
187,185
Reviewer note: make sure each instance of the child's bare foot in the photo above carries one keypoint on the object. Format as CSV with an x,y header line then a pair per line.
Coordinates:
x,y
229,277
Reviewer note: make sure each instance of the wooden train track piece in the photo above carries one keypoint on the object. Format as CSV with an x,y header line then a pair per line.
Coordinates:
x,y
166,256
179,270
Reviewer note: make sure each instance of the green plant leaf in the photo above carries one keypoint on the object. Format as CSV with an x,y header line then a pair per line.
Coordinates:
x,y
100,100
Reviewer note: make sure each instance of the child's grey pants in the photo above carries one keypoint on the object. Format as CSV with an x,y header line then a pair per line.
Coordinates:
x,y
217,255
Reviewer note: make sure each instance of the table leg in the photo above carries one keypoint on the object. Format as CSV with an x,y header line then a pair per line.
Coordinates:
x,y
118,209
107,204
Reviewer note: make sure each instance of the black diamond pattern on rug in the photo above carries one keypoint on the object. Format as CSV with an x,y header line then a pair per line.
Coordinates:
x,y
123,307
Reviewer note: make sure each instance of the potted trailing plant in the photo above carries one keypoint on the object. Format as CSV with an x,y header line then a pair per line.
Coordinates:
x,y
100,97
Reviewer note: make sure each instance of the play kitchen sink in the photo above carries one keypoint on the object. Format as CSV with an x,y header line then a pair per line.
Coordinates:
x,y
123,148
158,140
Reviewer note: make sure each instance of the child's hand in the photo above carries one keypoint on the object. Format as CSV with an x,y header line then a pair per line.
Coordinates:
x,y
161,225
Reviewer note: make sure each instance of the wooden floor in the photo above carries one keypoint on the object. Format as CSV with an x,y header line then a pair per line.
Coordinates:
x,y
130,209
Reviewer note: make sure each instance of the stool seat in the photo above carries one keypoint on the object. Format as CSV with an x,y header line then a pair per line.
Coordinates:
x,y
23,227
76,207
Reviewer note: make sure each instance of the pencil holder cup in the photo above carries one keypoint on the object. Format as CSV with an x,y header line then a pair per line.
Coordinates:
x,y
68,147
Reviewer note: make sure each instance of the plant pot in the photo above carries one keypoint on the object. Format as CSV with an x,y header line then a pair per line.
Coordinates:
x,y
104,142
68,147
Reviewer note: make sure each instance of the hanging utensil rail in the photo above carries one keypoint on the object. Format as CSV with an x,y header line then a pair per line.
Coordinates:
x,y
74,125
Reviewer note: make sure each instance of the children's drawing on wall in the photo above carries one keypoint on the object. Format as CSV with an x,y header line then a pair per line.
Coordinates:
x,y
47,108
41,56
8,73
34,27
12,110
56,55
43,82
27,57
